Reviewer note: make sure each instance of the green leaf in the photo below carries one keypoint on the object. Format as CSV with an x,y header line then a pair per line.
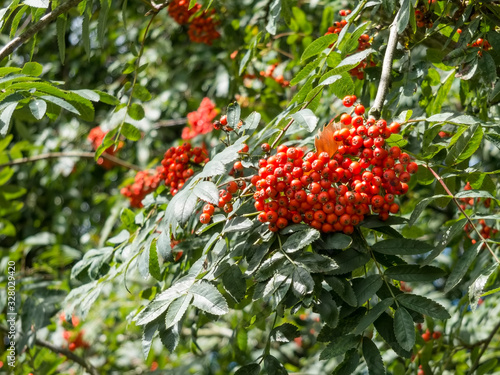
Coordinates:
x,y
61,36
208,298
177,309
348,260
404,328
423,305
316,263
86,29
466,145
353,60
136,111
302,282
154,265
61,103
372,357
401,246
251,123
299,240
318,46
123,236
170,337
373,314
207,191
273,16
365,288
250,369
107,142
284,333
32,69
130,132
306,119
462,265
12,191
107,98
336,241
44,4
141,93
442,93
305,71
420,207
349,364
477,286
273,366
38,108
233,115
5,118
147,338
385,327
238,224
184,205
103,21
448,235
411,272
475,194
234,283
339,346
403,16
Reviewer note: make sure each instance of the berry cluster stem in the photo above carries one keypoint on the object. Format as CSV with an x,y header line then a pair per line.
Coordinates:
x,y
385,78
283,131
481,238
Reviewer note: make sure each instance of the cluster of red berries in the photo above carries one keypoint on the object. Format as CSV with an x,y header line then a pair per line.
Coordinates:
x,y
423,18
200,121
225,199
73,337
483,45
338,25
96,136
222,124
485,230
202,27
145,182
178,164
269,73
334,194
363,43
428,335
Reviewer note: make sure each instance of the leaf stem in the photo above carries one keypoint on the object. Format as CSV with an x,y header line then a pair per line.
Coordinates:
x,y
481,238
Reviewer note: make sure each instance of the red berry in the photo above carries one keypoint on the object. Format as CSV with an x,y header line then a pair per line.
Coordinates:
x,y
205,218
265,147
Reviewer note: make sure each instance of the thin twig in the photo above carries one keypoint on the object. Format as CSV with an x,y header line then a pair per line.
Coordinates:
x,y
70,154
283,131
486,343
173,122
33,29
385,78
443,184
59,350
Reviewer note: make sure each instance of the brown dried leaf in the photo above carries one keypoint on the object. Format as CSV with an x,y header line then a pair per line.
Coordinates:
x,y
324,141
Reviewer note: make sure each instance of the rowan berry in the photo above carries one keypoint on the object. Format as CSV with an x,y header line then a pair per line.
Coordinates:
x,y
205,218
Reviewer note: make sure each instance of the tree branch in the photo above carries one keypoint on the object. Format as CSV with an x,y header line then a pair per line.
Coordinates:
x,y
168,123
33,29
486,343
59,350
481,238
385,78
70,154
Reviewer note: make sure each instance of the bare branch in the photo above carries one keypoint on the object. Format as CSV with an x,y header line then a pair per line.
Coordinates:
x,y
33,29
385,78
59,350
70,154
